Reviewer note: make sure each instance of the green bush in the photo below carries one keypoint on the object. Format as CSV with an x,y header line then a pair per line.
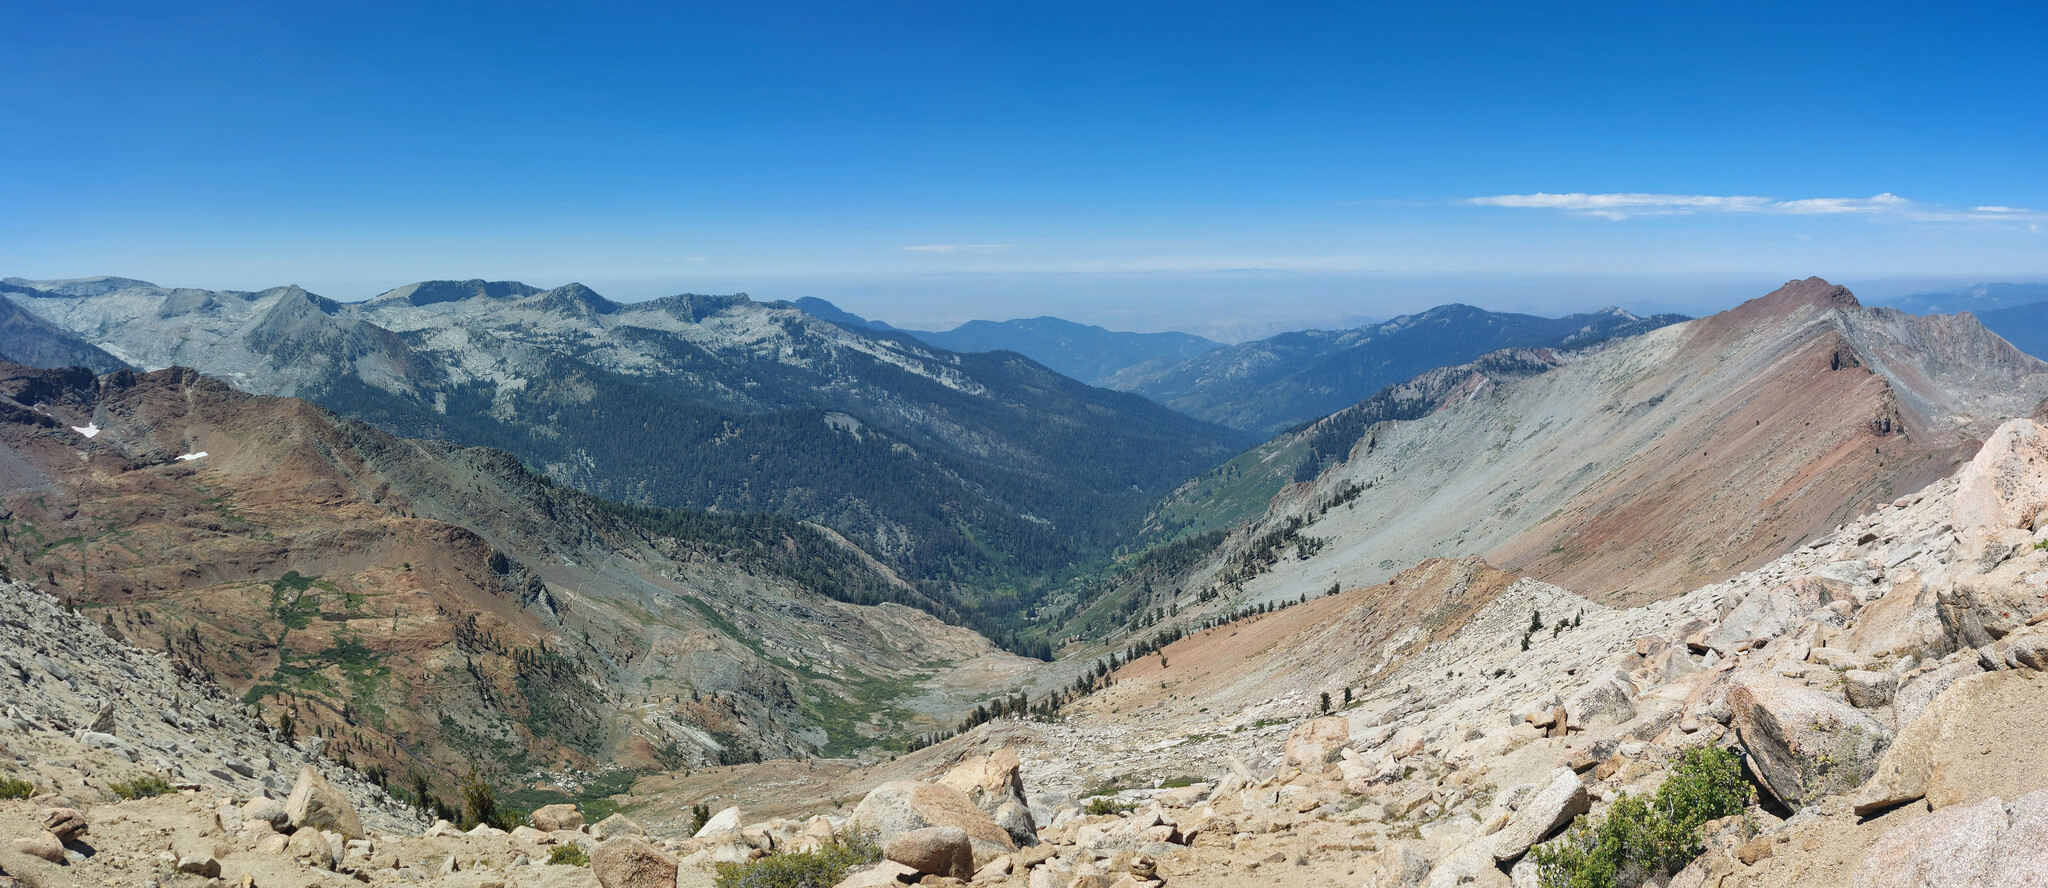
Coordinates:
x,y
1642,839
822,868
568,855
142,787
479,802
1101,805
11,788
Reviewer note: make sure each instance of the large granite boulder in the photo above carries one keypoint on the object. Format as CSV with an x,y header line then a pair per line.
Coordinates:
x,y
316,803
893,809
1991,844
1804,743
1318,742
933,850
1561,797
628,862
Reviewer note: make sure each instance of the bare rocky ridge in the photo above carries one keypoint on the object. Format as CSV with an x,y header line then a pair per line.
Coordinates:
x,y
1670,459
1271,384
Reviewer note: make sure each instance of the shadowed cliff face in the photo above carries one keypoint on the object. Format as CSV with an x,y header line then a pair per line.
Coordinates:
x,y
423,605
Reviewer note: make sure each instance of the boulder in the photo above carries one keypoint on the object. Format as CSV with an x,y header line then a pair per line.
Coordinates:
x,y
310,846
2030,652
1407,741
1561,797
2000,492
614,826
268,810
532,836
727,820
1869,690
1400,865
628,862
1318,742
1915,694
1981,736
1802,742
887,874
994,784
1602,703
204,866
1016,820
64,823
895,808
317,803
42,845
1991,844
554,817
1765,614
933,850
1467,867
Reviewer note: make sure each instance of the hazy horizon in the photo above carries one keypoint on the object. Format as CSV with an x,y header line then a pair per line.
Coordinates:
x,y
1227,306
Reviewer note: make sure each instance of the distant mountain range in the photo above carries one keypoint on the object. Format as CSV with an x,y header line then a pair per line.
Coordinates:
x,y
1976,298
951,468
1085,352
28,339
1269,385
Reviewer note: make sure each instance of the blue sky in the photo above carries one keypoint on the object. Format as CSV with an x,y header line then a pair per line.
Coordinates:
x,y
1142,165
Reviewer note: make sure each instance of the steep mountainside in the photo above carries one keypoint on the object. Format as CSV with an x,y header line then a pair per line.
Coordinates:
x,y
1657,463
433,608
1270,384
1242,488
948,466
28,339
2025,326
1087,353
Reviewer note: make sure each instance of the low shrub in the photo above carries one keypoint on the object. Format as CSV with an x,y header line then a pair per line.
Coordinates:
x,y
1104,805
1645,839
142,787
568,855
11,788
822,868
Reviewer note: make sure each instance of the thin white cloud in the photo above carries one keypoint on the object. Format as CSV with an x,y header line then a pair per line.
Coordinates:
x,y
960,248
1627,204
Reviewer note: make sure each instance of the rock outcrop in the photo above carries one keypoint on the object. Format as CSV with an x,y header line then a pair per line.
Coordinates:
x,y
1803,742
317,804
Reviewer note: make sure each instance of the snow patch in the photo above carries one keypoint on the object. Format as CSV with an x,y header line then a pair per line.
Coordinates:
x,y
191,456
89,429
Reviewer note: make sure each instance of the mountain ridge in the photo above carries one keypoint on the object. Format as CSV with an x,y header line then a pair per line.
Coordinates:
x,y
1017,471
1270,384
